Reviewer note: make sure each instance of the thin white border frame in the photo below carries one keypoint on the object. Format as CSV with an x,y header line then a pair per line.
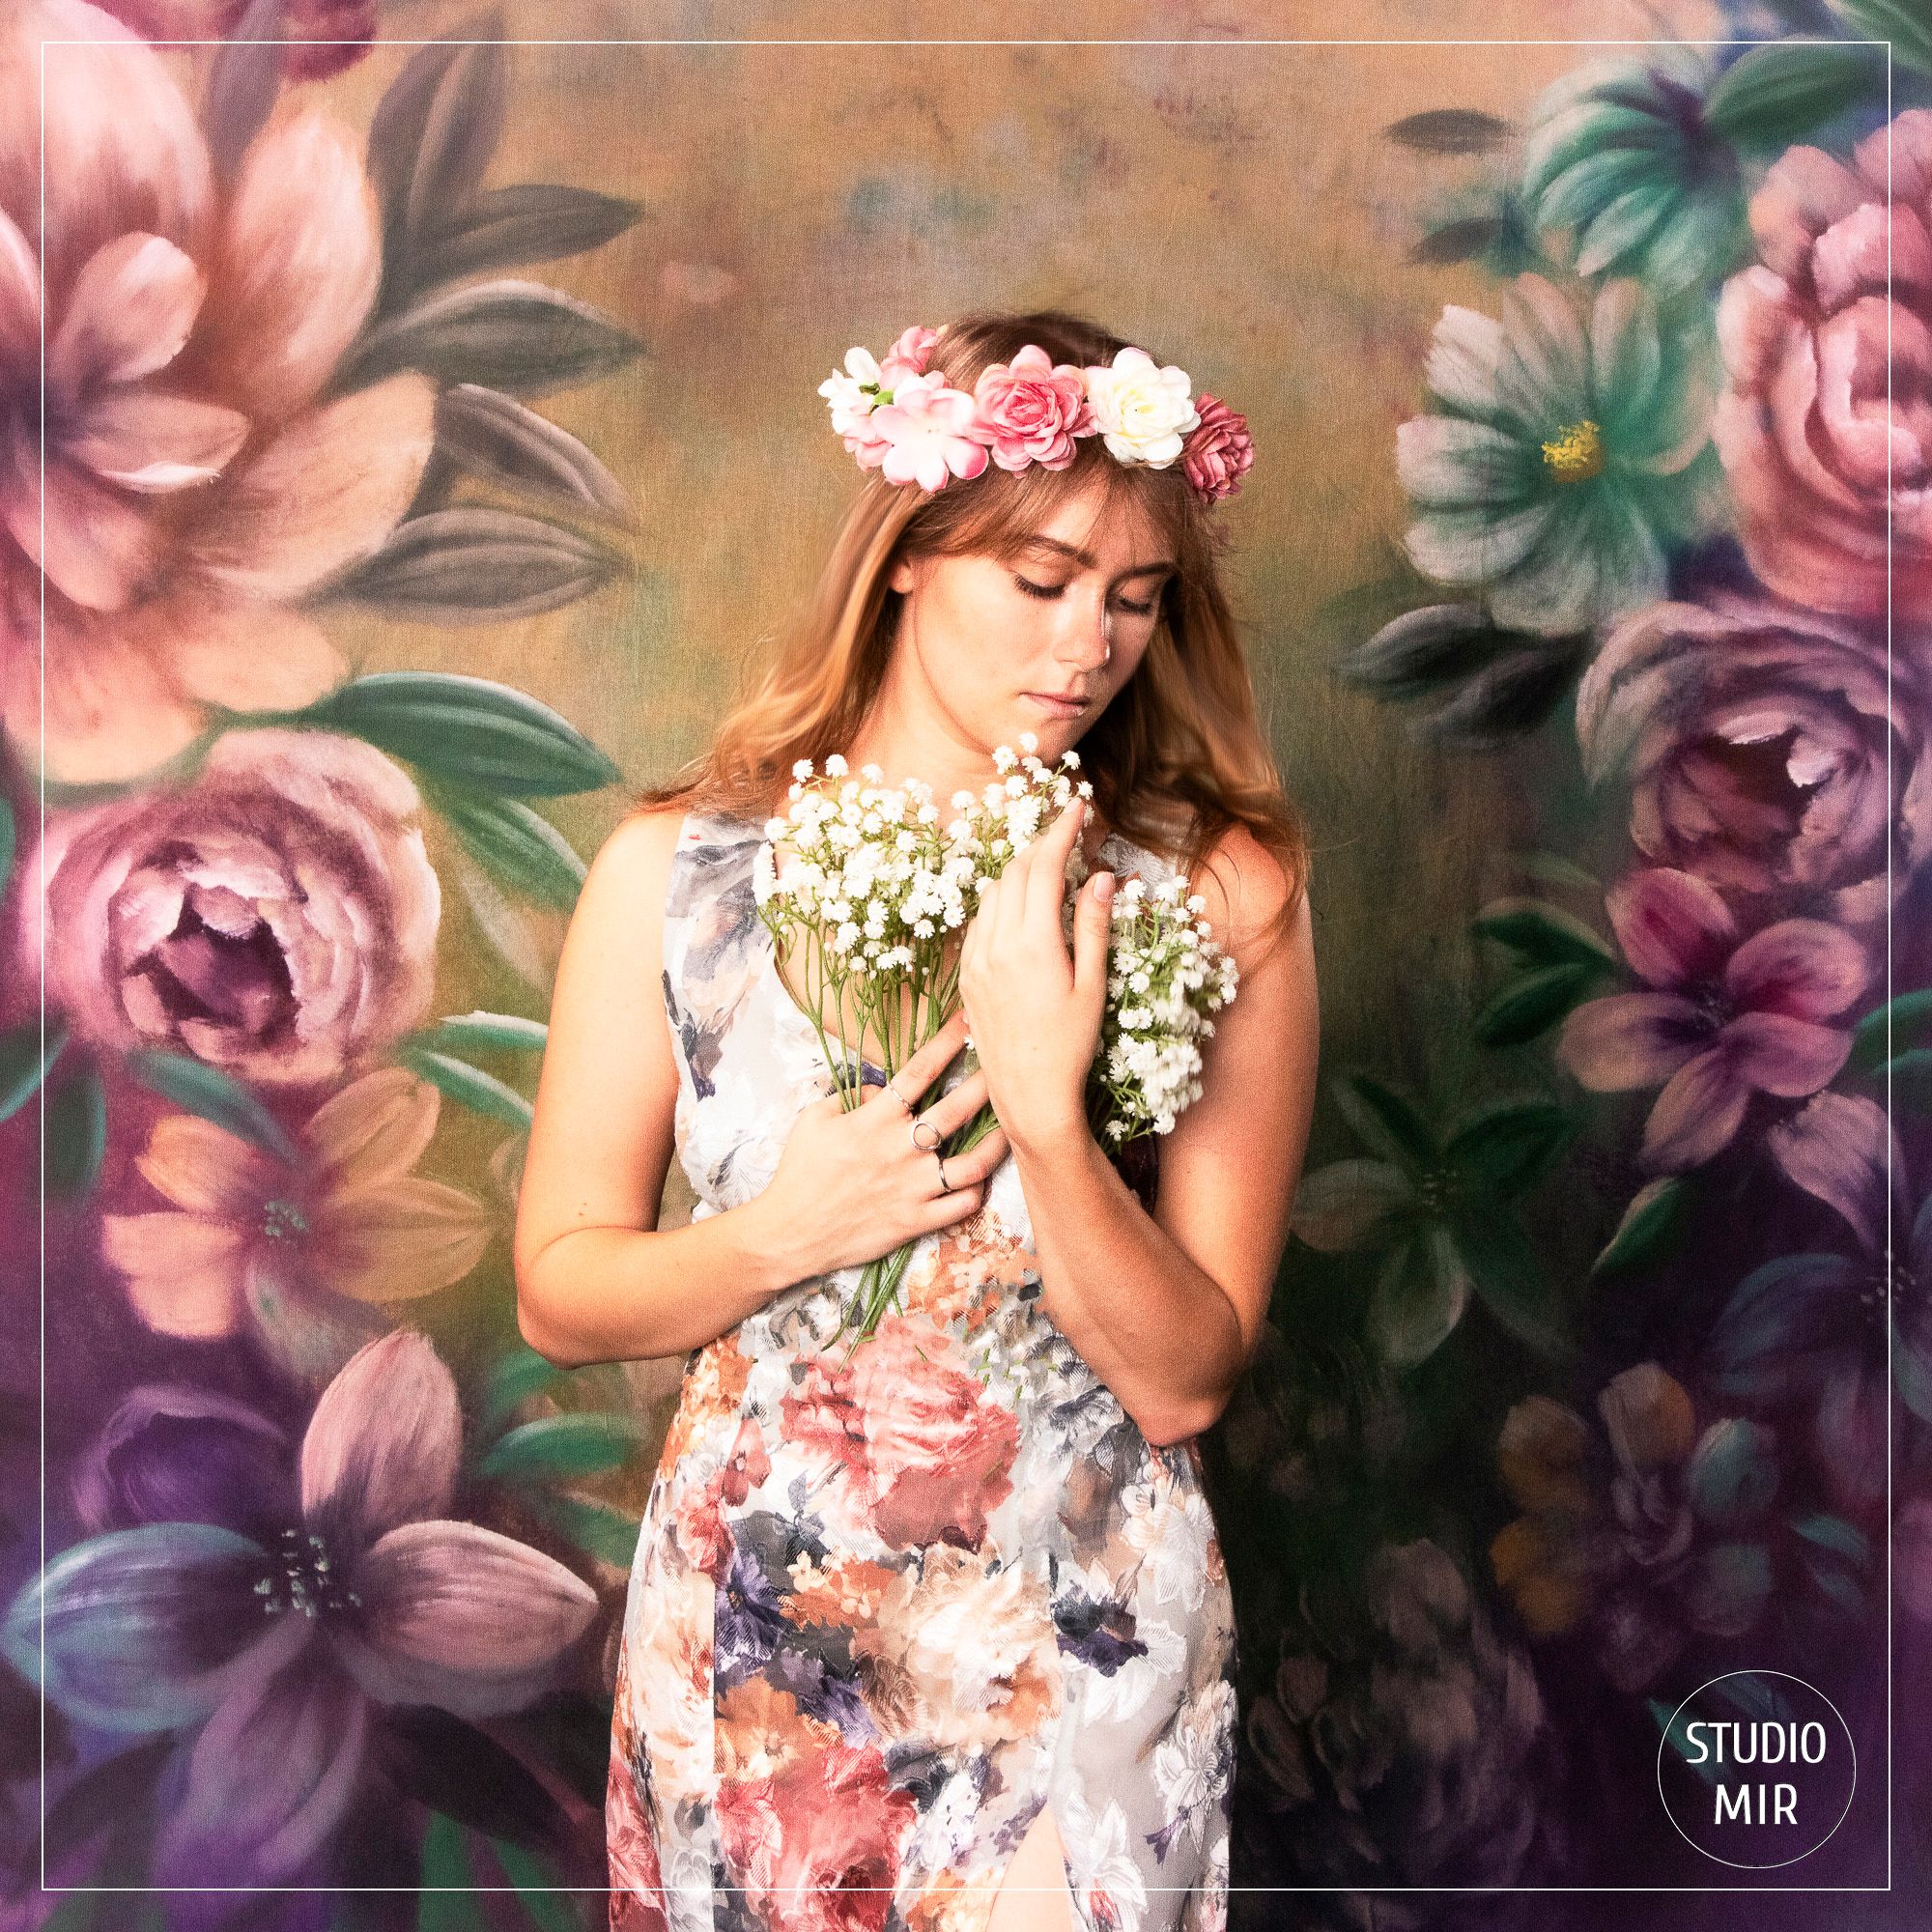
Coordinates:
x,y
1891,818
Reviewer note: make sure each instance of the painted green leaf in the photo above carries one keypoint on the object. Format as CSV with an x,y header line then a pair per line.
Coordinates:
x,y
549,1909
1531,1004
474,564
1543,934
1905,23
470,1085
76,1134
198,1088
518,336
23,1063
1508,1275
529,221
514,843
1420,1292
1504,1146
433,135
471,729
607,1534
520,1375
1650,1228
1779,91
481,1033
1386,1123
446,1888
561,1447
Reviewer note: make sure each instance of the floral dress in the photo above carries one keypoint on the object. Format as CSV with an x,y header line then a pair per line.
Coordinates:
x,y
884,1610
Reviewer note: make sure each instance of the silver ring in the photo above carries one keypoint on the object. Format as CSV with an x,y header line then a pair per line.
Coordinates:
x,y
945,1186
925,1145
898,1096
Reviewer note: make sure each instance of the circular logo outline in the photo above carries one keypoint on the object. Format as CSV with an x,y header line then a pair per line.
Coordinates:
x,y
1739,1864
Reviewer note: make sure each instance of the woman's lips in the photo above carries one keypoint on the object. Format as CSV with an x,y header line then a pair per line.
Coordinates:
x,y
1058,707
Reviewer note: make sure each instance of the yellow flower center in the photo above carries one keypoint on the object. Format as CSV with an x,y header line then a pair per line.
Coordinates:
x,y
1576,453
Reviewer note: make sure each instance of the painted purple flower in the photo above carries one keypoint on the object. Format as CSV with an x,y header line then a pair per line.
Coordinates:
x,y
1768,750
1720,1020
1814,1326
279,1602
276,916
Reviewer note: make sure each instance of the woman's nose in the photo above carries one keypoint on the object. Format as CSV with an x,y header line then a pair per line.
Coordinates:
x,y
1090,641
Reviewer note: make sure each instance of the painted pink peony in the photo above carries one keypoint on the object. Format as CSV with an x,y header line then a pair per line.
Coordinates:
x,y
1765,751
198,484
924,436
276,916
1219,452
1031,410
1813,463
1724,1017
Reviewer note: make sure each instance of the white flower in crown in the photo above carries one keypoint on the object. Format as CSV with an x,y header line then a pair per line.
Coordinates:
x,y
1144,407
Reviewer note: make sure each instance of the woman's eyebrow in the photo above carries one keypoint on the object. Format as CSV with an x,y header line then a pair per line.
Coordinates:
x,y
1055,547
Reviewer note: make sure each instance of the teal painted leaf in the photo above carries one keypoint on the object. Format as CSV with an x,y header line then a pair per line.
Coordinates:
x,y
446,1884
1909,1018
1905,23
1545,934
516,845
1779,91
549,1909
1505,1145
1509,1277
1531,1004
481,1033
471,729
607,1534
470,1085
24,1066
198,1088
513,1379
1652,1227
561,1447
1420,1292
76,1134
1385,1122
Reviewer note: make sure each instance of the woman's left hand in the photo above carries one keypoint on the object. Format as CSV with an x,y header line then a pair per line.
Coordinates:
x,y
1034,1013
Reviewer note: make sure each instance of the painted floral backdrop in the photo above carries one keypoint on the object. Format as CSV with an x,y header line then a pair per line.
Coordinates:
x,y
1602,1359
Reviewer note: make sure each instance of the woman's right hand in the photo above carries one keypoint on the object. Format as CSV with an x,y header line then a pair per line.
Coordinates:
x,y
852,1184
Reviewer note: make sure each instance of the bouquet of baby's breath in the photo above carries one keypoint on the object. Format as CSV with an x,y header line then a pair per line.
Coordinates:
x,y
874,886
1165,976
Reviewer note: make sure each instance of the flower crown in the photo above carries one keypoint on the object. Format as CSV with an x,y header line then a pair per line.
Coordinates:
x,y
901,419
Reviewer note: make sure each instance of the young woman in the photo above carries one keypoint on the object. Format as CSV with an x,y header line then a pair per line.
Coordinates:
x,y
904,1646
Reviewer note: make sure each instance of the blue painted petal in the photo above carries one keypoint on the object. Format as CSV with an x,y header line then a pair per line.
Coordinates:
x,y
140,1623
1782,1322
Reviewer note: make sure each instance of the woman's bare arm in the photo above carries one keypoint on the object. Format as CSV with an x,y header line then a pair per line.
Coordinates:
x,y
596,1280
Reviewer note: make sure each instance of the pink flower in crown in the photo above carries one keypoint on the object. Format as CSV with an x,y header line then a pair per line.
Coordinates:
x,y
910,353
927,431
1218,454
1032,409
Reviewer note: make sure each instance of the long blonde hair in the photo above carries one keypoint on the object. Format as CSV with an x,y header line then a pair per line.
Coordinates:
x,y
1175,759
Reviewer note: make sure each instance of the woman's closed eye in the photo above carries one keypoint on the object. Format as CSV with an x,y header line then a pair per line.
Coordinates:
x,y
1051,590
